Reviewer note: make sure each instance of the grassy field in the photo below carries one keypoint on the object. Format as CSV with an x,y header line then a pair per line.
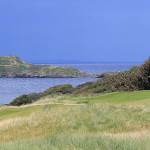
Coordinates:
x,y
135,97
115,121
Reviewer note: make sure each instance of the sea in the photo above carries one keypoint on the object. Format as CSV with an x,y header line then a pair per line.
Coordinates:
x,y
10,88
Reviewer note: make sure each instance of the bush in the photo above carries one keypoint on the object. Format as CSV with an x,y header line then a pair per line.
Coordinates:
x,y
137,78
26,99
59,89
35,96
21,100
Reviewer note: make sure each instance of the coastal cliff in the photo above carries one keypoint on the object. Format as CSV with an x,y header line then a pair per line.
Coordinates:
x,y
13,66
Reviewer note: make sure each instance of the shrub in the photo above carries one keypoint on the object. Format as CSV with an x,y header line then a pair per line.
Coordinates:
x,y
59,89
35,96
137,78
26,99
21,100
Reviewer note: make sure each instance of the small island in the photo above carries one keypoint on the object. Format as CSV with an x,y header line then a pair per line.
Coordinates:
x,y
14,67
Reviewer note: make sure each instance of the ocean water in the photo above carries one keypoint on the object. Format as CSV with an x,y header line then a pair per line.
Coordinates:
x,y
10,88
103,67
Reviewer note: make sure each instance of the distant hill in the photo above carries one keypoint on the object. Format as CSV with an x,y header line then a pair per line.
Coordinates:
x,y
13,66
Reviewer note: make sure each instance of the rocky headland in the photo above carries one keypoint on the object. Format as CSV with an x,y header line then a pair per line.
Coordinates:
x,y
13,66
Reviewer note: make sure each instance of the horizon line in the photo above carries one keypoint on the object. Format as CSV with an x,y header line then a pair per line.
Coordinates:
x,y
80,62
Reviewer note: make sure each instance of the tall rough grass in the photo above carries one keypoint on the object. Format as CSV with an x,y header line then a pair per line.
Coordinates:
x,y
78,124
80,142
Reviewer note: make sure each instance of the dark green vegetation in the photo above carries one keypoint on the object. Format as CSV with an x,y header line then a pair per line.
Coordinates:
x,y
137,78
21,100
12,66
105,74
26,99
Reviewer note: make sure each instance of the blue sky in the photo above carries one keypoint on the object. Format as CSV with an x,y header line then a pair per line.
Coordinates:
x,y
75,30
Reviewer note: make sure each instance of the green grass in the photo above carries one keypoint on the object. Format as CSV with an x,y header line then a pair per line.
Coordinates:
x,y
134,97
115,121
18,112
14,112
80,142
138,97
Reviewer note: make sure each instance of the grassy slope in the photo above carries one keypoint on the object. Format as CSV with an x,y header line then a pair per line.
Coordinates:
x,y
114,121
17,112
135,97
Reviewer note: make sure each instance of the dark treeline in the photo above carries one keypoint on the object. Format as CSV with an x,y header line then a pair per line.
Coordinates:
x,y
137,78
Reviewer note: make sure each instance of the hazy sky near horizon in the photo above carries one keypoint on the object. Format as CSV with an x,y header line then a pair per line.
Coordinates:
x,y
77,30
